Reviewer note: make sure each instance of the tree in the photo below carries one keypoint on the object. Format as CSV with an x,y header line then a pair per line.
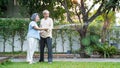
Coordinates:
x,y
108,20
28,7
13,29
22,31
4,32
84,14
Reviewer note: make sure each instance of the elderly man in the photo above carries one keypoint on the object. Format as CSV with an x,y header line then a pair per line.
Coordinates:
x,y
46,36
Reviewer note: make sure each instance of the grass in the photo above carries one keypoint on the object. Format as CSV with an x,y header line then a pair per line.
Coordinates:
x,y
61,65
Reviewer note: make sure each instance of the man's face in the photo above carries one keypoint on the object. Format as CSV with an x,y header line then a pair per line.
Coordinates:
x,y
46,15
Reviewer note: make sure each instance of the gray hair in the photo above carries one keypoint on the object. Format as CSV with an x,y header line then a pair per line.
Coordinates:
x,y
34,16
46,11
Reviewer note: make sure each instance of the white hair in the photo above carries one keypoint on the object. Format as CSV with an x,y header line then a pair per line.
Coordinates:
x,y
46,11
34,16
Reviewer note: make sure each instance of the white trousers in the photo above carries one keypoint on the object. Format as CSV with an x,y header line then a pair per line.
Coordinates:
x,y
32,44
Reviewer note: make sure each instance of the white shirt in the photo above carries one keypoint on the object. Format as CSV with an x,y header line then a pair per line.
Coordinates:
x,y
46,23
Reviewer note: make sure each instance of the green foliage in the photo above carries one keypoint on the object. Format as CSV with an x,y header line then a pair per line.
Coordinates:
x,y
85,41
13,24
28,7
95,27
89,50
94,34
94,38
10,27
90,42
107,51
114,34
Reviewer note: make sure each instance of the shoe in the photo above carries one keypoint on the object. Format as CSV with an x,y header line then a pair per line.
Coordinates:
x,y
41,61
32,62
49,62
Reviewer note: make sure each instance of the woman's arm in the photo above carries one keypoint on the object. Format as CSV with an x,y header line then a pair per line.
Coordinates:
x,y
38,28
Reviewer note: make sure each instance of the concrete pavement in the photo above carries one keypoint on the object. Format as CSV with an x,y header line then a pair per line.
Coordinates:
x,y
73,60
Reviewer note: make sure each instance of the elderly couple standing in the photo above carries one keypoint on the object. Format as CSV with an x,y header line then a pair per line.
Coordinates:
x,y
42,33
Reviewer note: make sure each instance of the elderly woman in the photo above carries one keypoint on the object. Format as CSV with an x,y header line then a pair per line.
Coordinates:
x,y
33,37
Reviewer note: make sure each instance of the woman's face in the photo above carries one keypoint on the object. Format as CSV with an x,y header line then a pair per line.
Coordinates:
x,y
37,18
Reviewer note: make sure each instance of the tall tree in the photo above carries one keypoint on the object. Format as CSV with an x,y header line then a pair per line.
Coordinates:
x,y
108,20
28,7
82,9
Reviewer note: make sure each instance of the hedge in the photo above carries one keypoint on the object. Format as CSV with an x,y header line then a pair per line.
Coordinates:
x,y
10,27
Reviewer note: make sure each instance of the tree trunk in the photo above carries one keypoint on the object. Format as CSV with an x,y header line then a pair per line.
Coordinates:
x,y
55,41
70,40
55,46
4,45
104,31
13,44
83,54
82,32
22,45
62,37
21,41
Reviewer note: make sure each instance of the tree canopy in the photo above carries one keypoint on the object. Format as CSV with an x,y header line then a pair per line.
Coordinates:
x,y
32,6
84,8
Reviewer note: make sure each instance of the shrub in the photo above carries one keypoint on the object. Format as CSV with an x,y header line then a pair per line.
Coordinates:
x,y
106,50
10,27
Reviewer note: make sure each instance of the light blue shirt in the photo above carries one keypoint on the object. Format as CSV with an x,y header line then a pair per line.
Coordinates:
x,y
32,33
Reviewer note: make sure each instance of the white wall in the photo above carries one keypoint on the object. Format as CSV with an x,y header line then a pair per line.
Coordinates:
x,y
58,46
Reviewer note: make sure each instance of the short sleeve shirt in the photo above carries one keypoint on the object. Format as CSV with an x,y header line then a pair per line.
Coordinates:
x,y
46,23
33,33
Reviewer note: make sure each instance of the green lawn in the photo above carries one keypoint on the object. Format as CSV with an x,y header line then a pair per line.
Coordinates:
x,y
61,65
